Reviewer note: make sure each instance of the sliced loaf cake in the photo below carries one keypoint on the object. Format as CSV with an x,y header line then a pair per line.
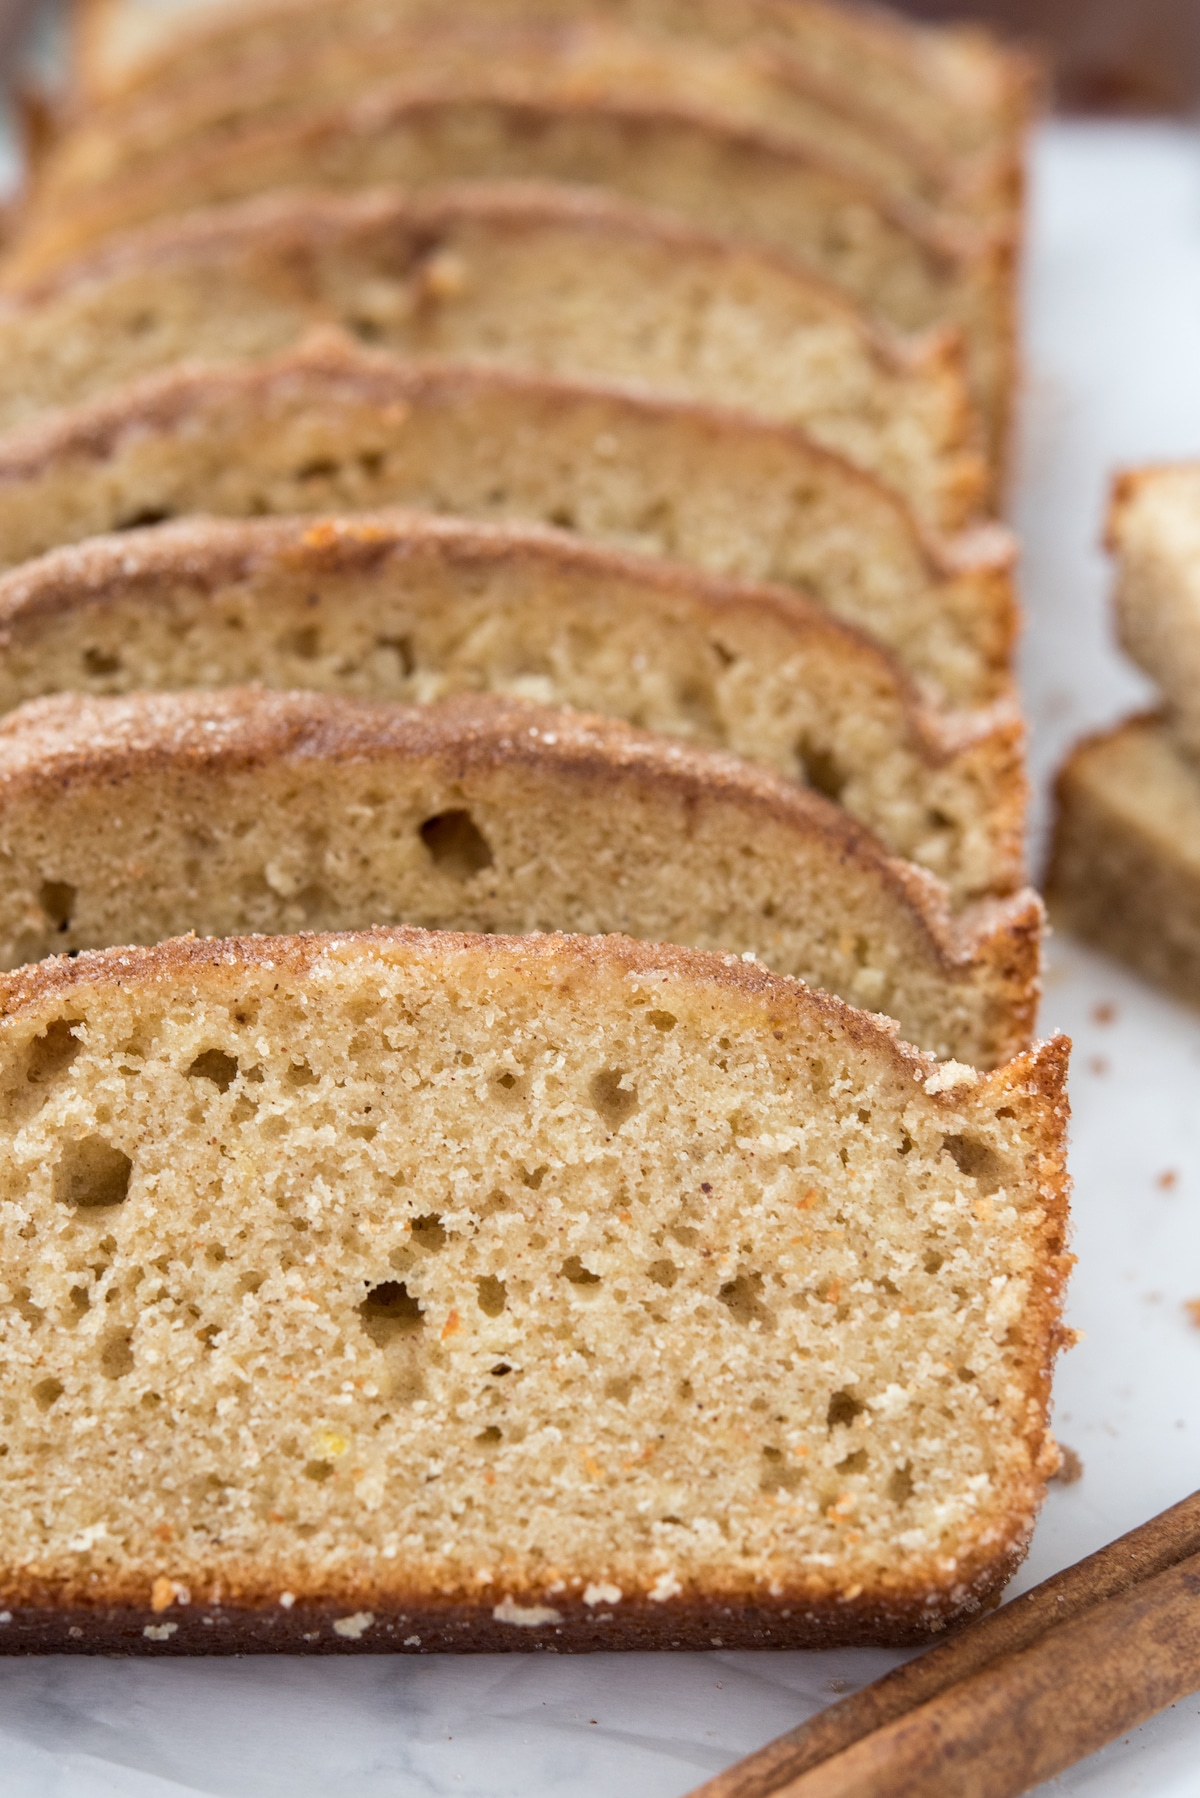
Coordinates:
x,y
560,281
414,608
745,181
1124,869
419,1291
133,820
326,428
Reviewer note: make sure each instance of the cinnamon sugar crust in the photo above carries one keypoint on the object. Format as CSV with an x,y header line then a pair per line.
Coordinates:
x,y
140,819
551,1264
329,428
402,607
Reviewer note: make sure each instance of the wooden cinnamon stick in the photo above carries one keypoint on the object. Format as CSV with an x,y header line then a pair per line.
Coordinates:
x,y
1031,1715
1133,1559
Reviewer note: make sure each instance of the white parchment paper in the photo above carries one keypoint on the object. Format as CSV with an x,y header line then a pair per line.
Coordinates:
x,y
1113,373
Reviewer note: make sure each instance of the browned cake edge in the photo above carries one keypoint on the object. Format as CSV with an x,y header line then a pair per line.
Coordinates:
x,y
110,1619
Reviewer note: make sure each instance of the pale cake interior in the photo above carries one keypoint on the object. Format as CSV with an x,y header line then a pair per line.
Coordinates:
x,y
417,1266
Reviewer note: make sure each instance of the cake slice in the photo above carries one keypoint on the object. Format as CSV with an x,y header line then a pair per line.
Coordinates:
x,y
413,608
1154,532
555,280
133,820
1124,871
418,1291
952,91
325,428
742,180
336,52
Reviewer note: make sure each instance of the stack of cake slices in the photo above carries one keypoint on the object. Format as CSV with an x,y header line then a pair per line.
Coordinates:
x,y
521,1124
1125,866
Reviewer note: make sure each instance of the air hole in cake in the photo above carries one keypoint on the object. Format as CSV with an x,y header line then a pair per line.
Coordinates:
x,y
843,1409
116,1356
80,1300
371,462
698,703
305,644
977,1160
854,1463
819,770
900,1485
490,1437
249,1282
321,468
456,844
389,1311
579,1275
402,649
564,517
46,1393
620,1387
777,1476
428,1233
214,1065
533,1180
300,1074
52,1053
663,1273
742,1298
99,662
318,1470
143,517
91,1175
493,1295
965,1374
934,1262
662,1020
615,1103
57,900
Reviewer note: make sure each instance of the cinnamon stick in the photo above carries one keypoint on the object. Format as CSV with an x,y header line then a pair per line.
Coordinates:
x,y
1031,1715
1126,1563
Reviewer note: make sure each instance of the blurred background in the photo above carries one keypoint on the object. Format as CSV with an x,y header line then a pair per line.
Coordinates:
x,y
1113,56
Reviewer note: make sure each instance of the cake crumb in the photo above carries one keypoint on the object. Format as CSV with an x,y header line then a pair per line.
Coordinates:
x,y
1192,1307
353,1627
1070,1467
1167,1180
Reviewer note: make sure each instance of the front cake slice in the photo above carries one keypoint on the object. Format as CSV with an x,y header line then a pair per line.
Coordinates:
x,y
422,1291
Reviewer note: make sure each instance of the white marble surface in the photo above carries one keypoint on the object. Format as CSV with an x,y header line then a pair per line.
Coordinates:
x,y
1113,333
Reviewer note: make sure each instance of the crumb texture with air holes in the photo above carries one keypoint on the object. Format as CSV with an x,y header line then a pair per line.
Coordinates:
x,y
550,1278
